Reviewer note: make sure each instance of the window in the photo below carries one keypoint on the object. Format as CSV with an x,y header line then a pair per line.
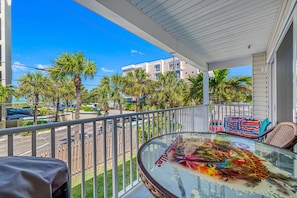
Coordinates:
x,y
157,67
156,76
174,65
178,74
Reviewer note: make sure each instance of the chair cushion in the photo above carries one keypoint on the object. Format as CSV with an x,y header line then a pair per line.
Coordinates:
x,y
251,126
265,123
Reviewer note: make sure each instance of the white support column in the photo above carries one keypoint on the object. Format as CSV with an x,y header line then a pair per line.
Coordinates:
x,y
205,88
206,98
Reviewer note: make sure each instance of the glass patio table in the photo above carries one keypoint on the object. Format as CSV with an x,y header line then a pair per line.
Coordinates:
x,y
216,165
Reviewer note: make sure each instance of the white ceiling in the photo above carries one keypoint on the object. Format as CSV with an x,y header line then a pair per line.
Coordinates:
x,y
209,34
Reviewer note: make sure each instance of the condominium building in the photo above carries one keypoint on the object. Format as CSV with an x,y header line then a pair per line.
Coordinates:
x,y
5,42
182,69
5,53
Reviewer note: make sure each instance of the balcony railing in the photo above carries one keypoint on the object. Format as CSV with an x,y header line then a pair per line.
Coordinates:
x,y
102,158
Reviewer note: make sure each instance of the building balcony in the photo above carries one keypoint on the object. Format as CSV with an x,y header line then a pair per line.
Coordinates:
x,y
101,152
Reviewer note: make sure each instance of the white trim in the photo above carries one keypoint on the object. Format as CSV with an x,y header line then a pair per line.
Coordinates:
x,y
282,26
294,64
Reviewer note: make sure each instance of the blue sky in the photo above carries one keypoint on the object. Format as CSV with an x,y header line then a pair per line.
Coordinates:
x,y
42,30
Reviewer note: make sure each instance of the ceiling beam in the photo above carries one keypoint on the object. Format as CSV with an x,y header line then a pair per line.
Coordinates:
x,y
242,61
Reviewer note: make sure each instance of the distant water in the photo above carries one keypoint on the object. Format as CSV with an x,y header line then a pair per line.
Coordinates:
x,y
21,100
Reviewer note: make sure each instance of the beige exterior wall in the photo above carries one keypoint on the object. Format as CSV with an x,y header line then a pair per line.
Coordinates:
x,y
260,86
162,66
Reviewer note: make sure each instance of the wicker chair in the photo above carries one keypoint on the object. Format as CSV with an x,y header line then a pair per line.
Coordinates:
x,y
283,135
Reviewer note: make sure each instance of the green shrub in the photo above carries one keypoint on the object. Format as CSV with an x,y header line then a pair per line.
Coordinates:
x,y
44,111
87,109
127,105
30,123
132,108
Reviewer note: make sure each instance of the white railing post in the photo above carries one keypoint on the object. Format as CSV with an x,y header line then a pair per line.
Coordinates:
x,y
10,145
33,143
105,159
193,119
95,183
83,181
114,159
53,143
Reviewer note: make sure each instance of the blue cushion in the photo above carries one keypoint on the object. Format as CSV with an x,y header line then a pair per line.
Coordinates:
x,y
265,123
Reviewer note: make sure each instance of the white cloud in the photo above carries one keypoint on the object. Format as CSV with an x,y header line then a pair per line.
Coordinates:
x,y
17,66
107,70
133,51
41,67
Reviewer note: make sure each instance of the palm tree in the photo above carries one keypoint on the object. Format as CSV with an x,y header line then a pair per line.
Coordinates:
x,y
6,92
74,65
228,89
104,90
68,91
32,86
61,88
195,92
170,90
93,95
240,88
134,84
218,87
117,88
150,95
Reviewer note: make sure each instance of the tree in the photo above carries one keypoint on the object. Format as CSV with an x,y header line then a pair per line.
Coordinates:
x,y
218,87
74,65
93,95
116,90
60,89
170,90
68,91
150,95
240,88
134,84
6,92
104,90
228,89
195,91
32,86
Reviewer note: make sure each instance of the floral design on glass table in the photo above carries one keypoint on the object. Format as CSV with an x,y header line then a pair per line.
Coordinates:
x,y
220,160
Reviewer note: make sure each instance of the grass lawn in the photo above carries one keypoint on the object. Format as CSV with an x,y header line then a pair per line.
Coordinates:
x,y
76,191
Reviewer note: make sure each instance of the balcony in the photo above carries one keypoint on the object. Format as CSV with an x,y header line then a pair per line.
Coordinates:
x,y
96,159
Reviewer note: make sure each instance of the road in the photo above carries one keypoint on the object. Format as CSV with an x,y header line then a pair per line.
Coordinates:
x,y
22,144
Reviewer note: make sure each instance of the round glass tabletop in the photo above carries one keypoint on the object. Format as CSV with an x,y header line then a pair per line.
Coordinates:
x,y
216,165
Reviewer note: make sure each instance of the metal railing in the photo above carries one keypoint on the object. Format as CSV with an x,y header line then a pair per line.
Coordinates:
x,y
101,146
218,113
108,145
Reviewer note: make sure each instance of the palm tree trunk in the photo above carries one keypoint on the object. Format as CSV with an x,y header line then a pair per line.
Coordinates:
x,y
57,109
78,104
121,108
106,109
137,103
36,109
67,104
77,82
